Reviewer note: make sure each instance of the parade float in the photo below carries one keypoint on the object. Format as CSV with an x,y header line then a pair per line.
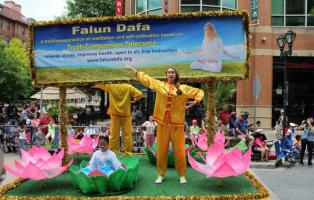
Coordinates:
x,y
85,51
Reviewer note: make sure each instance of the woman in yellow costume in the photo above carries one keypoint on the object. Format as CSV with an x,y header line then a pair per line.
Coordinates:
x,y
120,114
169,112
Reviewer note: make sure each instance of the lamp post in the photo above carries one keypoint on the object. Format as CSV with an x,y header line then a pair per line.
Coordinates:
x,y
282,40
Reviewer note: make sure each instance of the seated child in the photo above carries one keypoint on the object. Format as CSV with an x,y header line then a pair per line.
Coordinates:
x,y
103,161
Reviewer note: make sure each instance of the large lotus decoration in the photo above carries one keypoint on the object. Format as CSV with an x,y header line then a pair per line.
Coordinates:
x,y
38,164
99,183
221,163
85,145
201,141
202,144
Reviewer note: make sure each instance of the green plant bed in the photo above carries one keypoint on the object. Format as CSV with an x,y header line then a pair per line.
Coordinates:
x,y
117,182
78,158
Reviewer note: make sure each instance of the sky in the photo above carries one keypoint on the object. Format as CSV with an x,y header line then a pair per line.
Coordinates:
x,y
42,10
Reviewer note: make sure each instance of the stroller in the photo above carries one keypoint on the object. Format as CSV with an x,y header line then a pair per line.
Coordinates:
x,y
285,151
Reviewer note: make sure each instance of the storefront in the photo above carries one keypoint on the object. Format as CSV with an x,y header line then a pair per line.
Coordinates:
x,y
301,84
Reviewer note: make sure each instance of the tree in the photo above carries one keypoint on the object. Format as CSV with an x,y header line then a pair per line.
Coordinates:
x,y
10,81
90,8
224,92
17,49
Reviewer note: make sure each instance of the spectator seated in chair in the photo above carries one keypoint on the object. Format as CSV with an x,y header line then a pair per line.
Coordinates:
x,y
260,145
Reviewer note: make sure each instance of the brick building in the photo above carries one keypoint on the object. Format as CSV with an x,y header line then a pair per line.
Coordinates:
x,y
275,17
12,22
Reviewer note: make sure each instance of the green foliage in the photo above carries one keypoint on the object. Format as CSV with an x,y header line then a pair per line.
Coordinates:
x,y
54,111
15,79
90,8
19,52
224,92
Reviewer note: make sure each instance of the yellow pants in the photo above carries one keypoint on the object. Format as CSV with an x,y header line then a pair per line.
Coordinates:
x,y
176,136
114,140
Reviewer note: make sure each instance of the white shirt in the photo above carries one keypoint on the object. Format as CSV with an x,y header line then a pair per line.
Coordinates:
x,y
90,131
103,159
150,127
22,134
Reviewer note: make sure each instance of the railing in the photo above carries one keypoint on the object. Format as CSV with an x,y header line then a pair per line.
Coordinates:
x,y
9,136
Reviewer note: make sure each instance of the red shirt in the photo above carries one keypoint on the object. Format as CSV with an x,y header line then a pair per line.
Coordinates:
x,y
224,115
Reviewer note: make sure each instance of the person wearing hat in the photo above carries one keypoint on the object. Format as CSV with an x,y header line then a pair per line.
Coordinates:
x,y
241,129
260,145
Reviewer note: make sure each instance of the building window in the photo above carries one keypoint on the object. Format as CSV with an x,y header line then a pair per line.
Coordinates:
x,y
132,7
8,28
292,12
1,21
1,9
148,7
207,5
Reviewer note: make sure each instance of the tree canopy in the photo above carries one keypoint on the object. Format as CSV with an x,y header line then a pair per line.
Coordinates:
x,y
14,69
90,8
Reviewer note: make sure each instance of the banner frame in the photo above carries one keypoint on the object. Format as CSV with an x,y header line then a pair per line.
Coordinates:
x,y
65,21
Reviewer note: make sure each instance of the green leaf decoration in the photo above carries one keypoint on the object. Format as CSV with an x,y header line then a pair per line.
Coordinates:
x,y
117,181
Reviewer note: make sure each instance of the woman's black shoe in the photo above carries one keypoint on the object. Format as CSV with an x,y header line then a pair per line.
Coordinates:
x,y
301,163
310,164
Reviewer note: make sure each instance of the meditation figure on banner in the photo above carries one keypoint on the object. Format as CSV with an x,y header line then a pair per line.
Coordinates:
x,y
120,114
212,50
169,112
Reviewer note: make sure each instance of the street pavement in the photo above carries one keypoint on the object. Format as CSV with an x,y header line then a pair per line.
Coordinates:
x,y
283,183
9,159
294,183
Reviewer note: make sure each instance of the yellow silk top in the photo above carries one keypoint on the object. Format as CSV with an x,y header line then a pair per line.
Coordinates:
x,y
120,98
169,107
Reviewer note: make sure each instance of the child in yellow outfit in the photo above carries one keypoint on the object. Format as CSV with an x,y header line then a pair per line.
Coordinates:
x,y
169,112
120,113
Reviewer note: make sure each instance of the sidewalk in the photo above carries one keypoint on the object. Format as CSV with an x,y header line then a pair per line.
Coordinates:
x,y
9,159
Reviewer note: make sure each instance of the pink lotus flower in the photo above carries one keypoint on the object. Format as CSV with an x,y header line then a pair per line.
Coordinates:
x,y
38,164
85,145
201,141
221,163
